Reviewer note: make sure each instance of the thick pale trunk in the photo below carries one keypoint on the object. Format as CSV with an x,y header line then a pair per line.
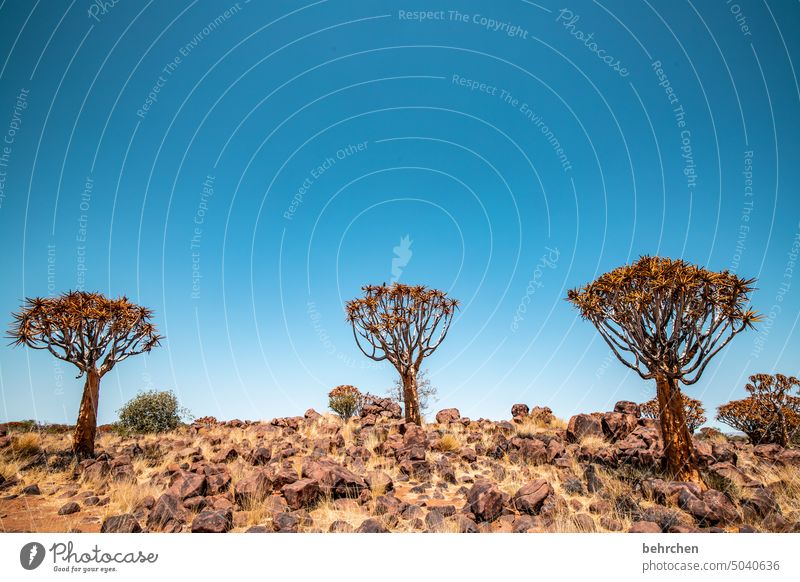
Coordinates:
x,y
86,427
410,398
682,460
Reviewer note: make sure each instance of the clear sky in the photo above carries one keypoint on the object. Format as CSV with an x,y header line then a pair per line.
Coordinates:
x,y
244,168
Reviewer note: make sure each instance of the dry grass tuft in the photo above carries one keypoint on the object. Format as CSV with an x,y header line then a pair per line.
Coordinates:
x,y
26,444
449,443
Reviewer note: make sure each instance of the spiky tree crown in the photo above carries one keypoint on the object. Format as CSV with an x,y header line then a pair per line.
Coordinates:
x,y
668,316
400,323
85,329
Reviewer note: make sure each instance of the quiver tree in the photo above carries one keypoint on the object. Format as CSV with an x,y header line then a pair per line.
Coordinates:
x,y
92,332
402,324
666,319
770,414
693,411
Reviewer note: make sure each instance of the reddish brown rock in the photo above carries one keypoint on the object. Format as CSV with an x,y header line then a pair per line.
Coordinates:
x,y
582,425
486,501
302,493
184,484
617,425
125,523
167,514
519,410
628,407
213,521
644,527
529,498
448,415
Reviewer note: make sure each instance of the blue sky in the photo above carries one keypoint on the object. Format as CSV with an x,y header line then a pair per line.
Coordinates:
x,y
244,168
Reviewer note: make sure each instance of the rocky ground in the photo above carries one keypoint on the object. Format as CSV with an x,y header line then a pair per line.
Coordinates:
x,y
598,472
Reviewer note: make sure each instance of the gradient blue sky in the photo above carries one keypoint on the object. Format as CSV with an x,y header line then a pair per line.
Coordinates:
x,y
275,97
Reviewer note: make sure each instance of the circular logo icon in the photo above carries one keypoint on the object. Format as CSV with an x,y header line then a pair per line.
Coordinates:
x,y
31,555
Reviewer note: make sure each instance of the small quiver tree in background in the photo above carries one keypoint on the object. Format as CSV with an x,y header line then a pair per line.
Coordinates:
x,y
693,410
346,401
403,324
92,332
151,412
666,319
770,414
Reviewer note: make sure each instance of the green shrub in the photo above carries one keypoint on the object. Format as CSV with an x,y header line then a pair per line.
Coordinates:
x,y
151,411
345,401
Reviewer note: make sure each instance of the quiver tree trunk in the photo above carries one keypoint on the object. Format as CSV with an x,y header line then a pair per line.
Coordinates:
x,y
411,398
86,427
679,450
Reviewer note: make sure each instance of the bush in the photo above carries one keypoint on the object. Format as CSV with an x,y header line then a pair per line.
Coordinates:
x,y
427,393
346,401
150,412
692,408
769,415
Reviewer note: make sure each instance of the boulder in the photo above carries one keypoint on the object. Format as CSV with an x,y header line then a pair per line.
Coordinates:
x,y
302,493
519,410
252,488
448,415
529,498
285,523
644,527
486,501
463,524
31,490
260,456
167,514
379,482
371,525
213,521
184,484
218,479
710,508
333,479
69,508
617,425
533,451
583,425
125,523
628,407
340,526
311,414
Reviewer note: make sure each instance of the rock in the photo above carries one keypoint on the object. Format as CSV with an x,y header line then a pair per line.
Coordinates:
x,y
389,504
31,490
380,408
759,501
644,527
285,523
593,482
260,456
584,522
311,414
69,508
371,525
448,415
469,455
252,488
463,524
555,450
573,486
667,492
610,523
617,425
729,475
712,508
213,521
167,514
583,425
415,443
184,485
218,480
125,523
226,455
529,498
533,451
519,410
434,521
789,457
333,479
486,501
379,482
302,493
628,407
257,529
340,526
